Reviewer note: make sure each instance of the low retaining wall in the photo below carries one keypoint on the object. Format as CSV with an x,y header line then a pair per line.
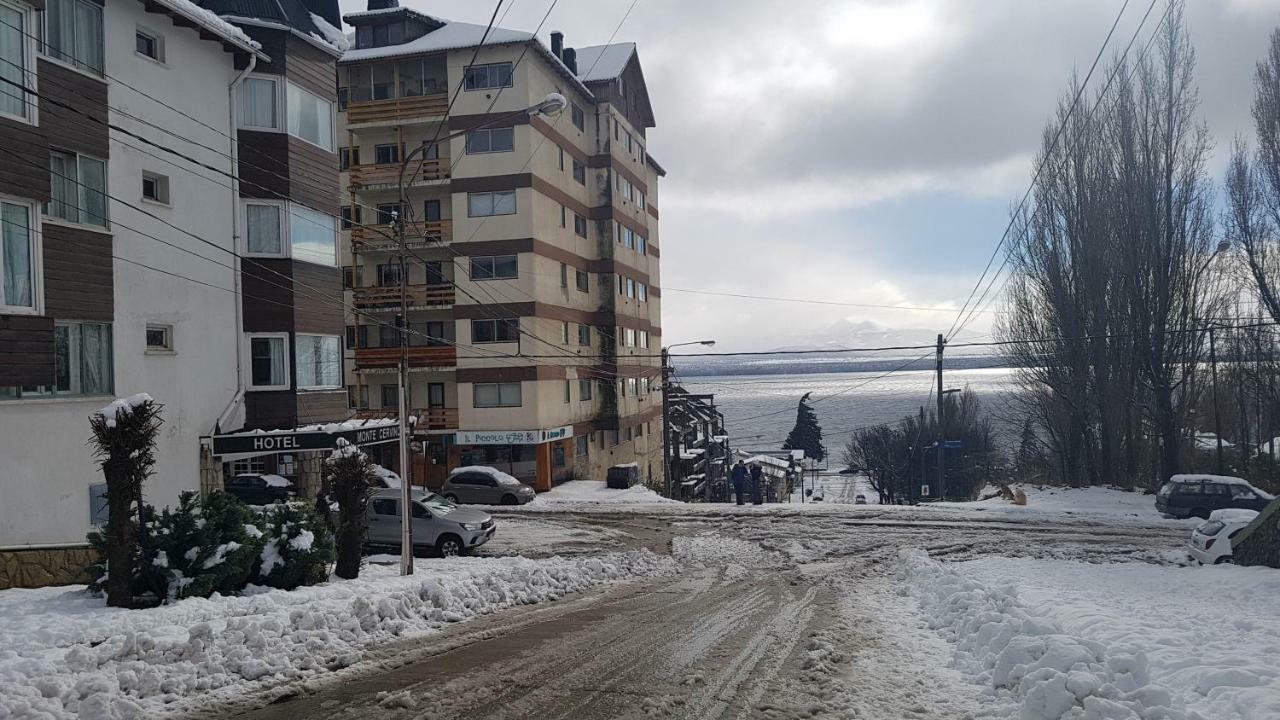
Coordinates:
x,y
45,566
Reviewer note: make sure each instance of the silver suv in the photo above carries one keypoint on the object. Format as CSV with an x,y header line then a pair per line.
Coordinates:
x,y
437,523
485,486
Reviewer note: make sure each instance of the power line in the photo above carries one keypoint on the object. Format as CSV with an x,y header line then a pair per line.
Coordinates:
x,y
811,301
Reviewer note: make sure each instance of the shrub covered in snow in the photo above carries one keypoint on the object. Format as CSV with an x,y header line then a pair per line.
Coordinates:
x,y
297,546
201,547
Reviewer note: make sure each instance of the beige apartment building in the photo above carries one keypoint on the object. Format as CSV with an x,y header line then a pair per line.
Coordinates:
x,y
535,311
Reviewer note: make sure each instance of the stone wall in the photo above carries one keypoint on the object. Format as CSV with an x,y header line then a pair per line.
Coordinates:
x,y
38,568
1259,543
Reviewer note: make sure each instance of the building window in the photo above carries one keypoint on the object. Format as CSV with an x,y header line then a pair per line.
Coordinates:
x,y
584,334
16,62
561,159
269,361
389,274
491,140
310,117
564,275
73,33
435,272
82,360
348,157
585,388
386,154
490,395
495,331
155,187
568,391
494,267
642,292
579,225
631,288
564,332
313,236
579,117
159,338
350,216
642,245
483,77
390,396
388,213
20,256
431,211
264,230
564,214
259,104
149,44
583,281
78,189
318,362
580,172
644,338
582,445
491,203
343,96
629,336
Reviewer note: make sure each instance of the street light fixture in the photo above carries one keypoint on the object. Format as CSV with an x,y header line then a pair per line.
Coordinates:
x,y
666,416
550,105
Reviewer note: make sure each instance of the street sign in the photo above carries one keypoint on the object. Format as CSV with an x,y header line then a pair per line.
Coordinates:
x,y
924,490
266,443
952,444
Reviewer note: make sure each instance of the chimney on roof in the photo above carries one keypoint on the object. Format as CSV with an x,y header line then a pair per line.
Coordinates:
x,y
570,58
383,4
557,42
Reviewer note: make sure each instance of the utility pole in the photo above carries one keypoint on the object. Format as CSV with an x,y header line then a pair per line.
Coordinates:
x,y
1217,414
402,323
923,454
666,422
942,409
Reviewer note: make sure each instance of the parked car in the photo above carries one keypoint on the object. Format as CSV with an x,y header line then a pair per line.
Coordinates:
x,y
438,524
260,489
1198,495
1211,542
621,477
859,499
485,486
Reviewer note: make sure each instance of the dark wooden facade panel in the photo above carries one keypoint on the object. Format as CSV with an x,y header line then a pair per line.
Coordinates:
x,y
270,410
24,165
268,294
491,183
82,126
511,374
317,301
313,176
78,281
273,45
264,164
311,68
26,350
322,407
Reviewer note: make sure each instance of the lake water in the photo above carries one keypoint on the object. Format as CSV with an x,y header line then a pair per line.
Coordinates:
x,y
760,410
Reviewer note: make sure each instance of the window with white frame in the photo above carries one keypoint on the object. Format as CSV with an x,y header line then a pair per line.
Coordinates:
x,y
155,187
149,44
492,395
642,292
486,204
259,103
17,61
20,256
82,358
629,336
490,140
495,267
483,77
564,332
268,361
264,229
159,338
318,362
77,188
642,245
73,33
632,387
313,235
310,117
631,288
644,338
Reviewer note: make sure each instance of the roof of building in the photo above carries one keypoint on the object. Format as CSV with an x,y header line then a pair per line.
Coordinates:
x,y
452,35
293,15
209,22
603,62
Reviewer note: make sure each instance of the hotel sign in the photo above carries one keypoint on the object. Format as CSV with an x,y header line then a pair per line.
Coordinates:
x,y
266,443
513,437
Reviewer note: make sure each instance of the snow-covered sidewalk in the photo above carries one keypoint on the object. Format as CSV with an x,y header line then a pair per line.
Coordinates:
x,y
1054,639
1062,503
64,654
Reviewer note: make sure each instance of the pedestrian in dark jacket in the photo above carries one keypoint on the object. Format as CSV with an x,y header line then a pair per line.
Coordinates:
x,y
739,477
757,475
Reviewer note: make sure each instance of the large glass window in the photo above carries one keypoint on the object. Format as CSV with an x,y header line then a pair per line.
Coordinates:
x,y
263,235
491,140
318,362
494,267
17,257
82,358
73,33
313,236
495,331
310,117
269,362
78,188
491,203
15,62
483,77
496,395
258,103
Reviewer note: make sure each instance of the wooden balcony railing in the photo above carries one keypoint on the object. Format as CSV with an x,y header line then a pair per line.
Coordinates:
x,y
419,357
389,173
428,418
418,234
432,295
397,109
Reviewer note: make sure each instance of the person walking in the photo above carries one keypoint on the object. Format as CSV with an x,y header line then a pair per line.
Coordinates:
x,y
739,477
757,475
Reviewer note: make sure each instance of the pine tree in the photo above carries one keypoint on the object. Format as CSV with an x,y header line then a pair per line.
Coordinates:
x,y
807,434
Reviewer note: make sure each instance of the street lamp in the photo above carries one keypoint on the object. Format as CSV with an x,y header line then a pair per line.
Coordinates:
x,y
552,104
666,416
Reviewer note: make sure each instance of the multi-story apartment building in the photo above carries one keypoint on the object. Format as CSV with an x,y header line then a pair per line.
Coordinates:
x,y
534,320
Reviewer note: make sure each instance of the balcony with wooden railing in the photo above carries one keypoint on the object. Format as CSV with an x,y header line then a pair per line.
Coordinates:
x,y
420,356
373,174
397,110
433,295
428,418
418,234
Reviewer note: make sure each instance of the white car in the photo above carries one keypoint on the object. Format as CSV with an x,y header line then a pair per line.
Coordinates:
x,y
1211,542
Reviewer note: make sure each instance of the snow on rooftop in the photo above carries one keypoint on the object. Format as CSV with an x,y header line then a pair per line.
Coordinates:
x,y
211,22
603,62
333,37
452,36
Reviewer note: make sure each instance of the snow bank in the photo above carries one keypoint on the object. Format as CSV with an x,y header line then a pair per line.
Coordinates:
x,y
64,654
1052,639
1060,503
590,493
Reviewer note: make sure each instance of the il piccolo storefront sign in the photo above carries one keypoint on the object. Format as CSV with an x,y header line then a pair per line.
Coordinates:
x,y
283,441
513,437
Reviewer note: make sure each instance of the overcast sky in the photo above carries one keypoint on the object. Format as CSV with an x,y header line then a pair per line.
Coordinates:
x,y
859,151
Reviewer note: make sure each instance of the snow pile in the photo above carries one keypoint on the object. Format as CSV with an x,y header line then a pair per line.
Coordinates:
x,y
64,654
126,405
332,36
1075,651
585,492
